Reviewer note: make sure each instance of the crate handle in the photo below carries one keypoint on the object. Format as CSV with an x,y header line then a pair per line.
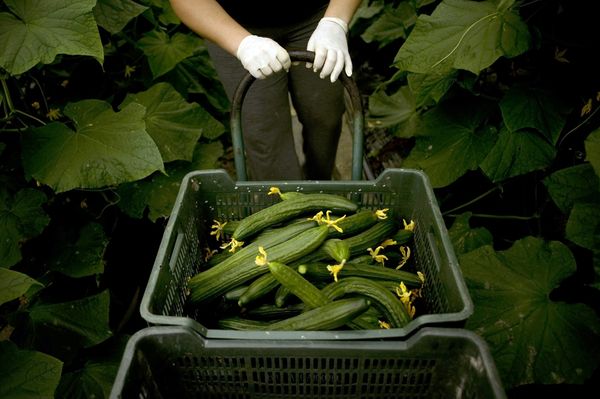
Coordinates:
x,y
357,118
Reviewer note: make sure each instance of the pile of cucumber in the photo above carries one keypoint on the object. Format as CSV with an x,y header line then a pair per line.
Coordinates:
x,y
311,261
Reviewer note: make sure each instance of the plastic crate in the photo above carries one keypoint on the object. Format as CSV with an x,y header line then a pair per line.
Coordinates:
x,y
175,362
208,195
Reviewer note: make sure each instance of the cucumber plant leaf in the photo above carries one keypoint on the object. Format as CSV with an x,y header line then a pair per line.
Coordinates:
x,y
464,238
430,87
82,255
37,31
158,192
583,226
534,109
27,373
592,150
13,284
533,339
469,35
574,184
391,25
21,218
113,15
79,323
397,111
174,124
164,51
516,153
453,140
106,148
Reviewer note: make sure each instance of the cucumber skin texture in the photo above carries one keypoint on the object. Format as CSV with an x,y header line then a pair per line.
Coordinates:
x,y
354,224
285,210
310,295
207,288
382,298
257,289
337,249
319,270
327,317
272,312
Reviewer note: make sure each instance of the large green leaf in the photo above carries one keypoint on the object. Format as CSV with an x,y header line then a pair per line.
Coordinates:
x,y
21,218
468,35
533,339
573,184
159,192
107,148
464,238
113,15
14,284
455,140
583,226
174,124
82,256
38,30
391,25
534,109
164,51
430,87
592,149
397,111
26,374
517,153
82,322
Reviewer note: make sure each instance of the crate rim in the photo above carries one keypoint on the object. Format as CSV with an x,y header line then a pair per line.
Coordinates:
x,y
404,332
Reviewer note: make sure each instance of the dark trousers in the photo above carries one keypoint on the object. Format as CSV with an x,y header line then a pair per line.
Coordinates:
x,y
266,116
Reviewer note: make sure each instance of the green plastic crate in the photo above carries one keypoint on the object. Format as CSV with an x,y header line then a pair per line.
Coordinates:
x,y
175,362
212,194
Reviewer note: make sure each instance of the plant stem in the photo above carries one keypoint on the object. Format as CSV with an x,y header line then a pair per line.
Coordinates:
x,y
11,107
29,116
473,200
512,217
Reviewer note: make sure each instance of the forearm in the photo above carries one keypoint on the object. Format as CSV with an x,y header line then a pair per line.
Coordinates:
x,y
208,19
343,9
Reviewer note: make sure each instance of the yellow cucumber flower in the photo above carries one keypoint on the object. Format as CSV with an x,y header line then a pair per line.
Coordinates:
x,y
405,251
421,277
233,244
318,217
274,191
332,223
376,256
384,325
403,293
381,213
409,226
217,229
336,269
388,242
261,258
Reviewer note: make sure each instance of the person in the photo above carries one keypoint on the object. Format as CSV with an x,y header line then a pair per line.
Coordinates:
x,y
255,36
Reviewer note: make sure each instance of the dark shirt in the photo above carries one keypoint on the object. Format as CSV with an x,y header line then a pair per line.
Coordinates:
x,y
267,13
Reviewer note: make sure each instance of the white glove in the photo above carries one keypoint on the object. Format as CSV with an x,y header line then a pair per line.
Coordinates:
x,y
262,56
329,43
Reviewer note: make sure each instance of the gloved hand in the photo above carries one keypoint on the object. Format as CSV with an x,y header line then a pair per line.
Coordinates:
x,y
262,56
329,43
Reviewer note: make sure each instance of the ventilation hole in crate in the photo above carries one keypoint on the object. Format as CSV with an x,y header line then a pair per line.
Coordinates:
x,y
213,377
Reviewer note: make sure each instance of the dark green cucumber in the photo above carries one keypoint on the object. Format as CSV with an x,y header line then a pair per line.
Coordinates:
x,y
327,317
209,284
257,289
318,270
270,312
337,249
282,295
382,298
239,323
354,224
403,236
288,209
235,294
310,295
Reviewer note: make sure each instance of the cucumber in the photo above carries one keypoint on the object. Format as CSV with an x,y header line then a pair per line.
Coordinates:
x,y
327,317
257,289
218,280
318,271
239,323
354,224
270,312
310,295
235,294
285,210
383,299
337,249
